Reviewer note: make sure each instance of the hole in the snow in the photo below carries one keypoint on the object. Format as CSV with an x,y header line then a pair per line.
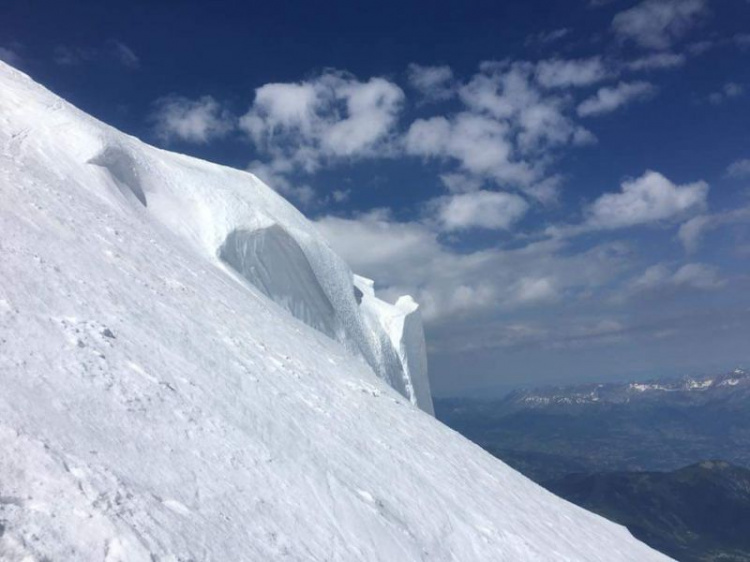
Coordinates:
x,y
358,295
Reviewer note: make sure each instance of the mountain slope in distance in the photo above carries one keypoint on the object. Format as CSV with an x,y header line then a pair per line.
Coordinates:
x,y
700,513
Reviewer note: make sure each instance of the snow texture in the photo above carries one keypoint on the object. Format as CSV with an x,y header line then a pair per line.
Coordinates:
x,y
159,402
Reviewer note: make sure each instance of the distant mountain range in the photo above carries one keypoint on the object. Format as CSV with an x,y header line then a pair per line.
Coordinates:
x,y
619,449
696,514
655,425
685,390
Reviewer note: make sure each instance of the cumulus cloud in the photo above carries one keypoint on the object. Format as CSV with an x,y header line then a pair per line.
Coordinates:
x,y
331,116
195,121
608,99
435,83
647,199
480,209
506,131
692,232
537,120
513,117
658,24
556,73
481,145
508,94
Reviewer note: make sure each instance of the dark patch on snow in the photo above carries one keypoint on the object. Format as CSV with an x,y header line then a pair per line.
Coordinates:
x,y
11,500
122,167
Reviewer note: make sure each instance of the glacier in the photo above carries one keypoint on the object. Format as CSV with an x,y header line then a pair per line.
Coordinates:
x,y
189,372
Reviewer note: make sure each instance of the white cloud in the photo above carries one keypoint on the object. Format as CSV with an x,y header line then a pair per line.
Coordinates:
x,y
409,258
480,209
461,183
372,109
691,275
510,128
507,93
698,276
480,144
506,133
196,121
739,168
282,107
435,83
300,127
341,195
546,191
331,117
534,290
557,73
728,91
658,24
648,199
654,276
692,232
609,99
657,61
373,241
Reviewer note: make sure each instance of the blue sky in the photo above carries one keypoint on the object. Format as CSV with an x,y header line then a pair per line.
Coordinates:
x,y
563,185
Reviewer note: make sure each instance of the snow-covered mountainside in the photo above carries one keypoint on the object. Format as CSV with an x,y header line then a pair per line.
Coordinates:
x,y
160,403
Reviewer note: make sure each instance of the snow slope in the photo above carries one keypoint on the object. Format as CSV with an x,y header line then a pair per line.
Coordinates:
x,y
159,404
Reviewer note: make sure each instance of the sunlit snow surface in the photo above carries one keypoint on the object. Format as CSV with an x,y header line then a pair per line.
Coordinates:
x,y
155,406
